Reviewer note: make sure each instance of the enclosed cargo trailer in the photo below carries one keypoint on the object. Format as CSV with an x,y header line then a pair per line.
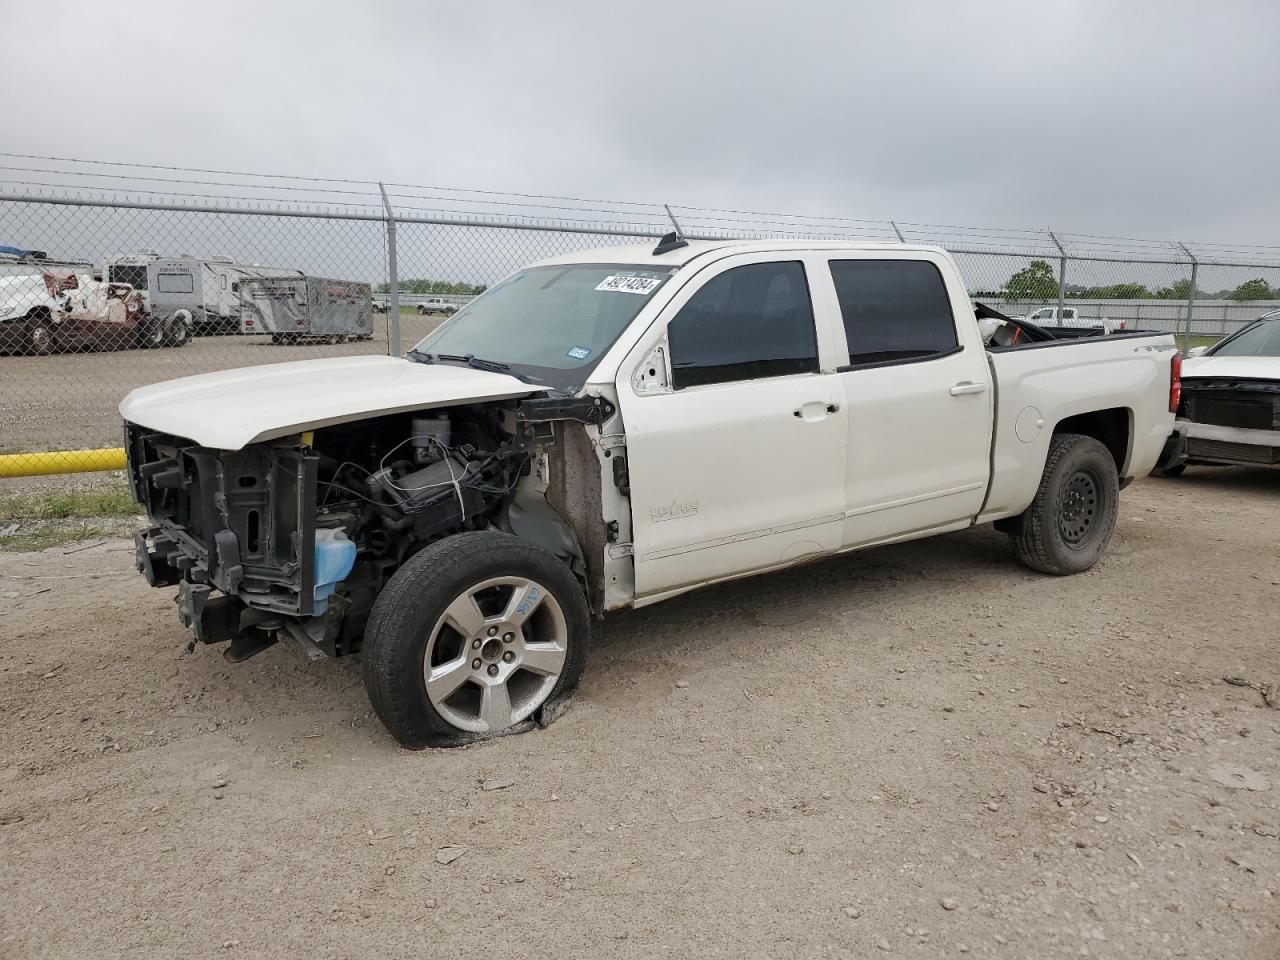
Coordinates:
x,y
295,308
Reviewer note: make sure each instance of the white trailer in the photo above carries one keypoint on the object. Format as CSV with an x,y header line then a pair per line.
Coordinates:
x,y
207,289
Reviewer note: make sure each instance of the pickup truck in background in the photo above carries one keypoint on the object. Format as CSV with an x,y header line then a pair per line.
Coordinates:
x,y
437,305
612,428
1070,319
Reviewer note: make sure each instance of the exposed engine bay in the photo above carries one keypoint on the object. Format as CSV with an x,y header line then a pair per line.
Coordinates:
x,y
296,537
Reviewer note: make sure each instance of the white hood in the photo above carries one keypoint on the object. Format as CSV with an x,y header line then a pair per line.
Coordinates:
x,y
230,409
1233,368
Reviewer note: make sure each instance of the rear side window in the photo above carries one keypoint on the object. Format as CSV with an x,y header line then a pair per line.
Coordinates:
x,y
893,310
174,283
749,322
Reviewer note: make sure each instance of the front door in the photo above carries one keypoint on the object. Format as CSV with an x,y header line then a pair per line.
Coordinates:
x,y
736,462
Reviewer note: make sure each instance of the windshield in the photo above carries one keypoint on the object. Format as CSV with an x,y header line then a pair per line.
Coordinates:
x,y
549,323
1260,341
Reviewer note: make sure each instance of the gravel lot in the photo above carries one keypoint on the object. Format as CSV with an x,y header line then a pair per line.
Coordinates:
x,y
70,400
922,750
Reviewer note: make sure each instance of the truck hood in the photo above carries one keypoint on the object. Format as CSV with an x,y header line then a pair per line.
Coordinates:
x,y
233,408
1232,368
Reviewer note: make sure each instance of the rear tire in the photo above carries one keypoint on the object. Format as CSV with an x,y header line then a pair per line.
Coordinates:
x,y
153,333
501,625
1069,524
177,330
39,338
1176,470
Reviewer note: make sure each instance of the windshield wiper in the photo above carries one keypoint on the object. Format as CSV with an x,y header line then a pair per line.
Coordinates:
x,y
472,361
478,363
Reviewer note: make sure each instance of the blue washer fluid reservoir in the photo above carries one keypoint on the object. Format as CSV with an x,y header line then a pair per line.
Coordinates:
x,y
335,556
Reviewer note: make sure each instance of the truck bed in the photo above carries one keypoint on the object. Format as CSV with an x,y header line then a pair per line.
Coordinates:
x,y
1123,377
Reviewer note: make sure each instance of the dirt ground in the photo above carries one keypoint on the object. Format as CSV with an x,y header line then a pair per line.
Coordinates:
x,y
922,750
71,400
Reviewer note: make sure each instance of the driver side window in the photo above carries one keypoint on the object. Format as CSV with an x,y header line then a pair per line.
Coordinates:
x,y
747,323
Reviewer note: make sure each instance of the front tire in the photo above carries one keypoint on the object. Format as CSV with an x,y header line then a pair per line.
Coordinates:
x,y
1069,524
477,635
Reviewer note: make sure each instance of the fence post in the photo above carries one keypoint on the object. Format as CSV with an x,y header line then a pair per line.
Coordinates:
x,y
1191,297
393,278
897,231
1062,275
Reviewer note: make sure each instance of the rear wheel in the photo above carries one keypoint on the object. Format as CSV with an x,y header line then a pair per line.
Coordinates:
x,y
152,333
1176,470
1070,522
39,337
178,329
477,635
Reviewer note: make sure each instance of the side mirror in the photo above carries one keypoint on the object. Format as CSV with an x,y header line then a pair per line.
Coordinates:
x,y
1197,352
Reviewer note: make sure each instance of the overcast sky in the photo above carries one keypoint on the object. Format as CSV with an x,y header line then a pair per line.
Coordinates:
x,y
1142,119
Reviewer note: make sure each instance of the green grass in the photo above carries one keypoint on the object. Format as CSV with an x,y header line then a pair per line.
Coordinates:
x,y
114,502
52,519
43,534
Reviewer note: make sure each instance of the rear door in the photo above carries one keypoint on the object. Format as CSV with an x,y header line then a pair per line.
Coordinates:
x,y
919,394
735,427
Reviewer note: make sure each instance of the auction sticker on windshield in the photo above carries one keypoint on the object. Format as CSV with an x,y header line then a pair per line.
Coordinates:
x,y
620,284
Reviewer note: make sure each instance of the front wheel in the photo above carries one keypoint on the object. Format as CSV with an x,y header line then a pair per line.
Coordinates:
x,y
1070,522
477,635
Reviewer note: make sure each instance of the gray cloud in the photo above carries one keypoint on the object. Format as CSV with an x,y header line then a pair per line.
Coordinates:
x,y
1142,119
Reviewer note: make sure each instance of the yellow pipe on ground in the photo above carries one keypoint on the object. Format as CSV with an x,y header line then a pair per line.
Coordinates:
x,y
61,461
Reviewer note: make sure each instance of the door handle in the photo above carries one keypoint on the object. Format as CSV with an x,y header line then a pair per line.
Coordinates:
x,y
815,410
966,387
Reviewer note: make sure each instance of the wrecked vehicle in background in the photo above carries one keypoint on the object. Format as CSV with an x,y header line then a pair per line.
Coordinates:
x,y
610,429
70,310
1229,413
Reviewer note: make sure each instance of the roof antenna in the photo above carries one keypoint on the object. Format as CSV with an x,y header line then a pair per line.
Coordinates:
x,y
671,241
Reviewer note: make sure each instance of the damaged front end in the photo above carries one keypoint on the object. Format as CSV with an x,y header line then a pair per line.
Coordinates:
x,y
295,537
1231,420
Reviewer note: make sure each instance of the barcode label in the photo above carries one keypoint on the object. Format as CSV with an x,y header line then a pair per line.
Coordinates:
x,y
641,285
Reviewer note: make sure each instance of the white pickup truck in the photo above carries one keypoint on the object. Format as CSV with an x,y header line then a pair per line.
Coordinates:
x,y
612,428
1070,319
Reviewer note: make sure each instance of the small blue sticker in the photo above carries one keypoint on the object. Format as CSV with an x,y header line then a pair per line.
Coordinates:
x,y
579,353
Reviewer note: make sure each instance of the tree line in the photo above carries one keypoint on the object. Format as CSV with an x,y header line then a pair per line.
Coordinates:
x,y
1036,281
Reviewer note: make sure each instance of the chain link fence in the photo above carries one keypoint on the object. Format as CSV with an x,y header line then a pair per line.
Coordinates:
x,y
98,296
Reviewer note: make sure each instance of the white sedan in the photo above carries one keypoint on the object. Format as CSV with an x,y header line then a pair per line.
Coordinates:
x,y
1230,409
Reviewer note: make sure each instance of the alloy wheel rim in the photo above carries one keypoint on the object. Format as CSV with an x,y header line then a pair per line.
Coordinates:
x,y
495,654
